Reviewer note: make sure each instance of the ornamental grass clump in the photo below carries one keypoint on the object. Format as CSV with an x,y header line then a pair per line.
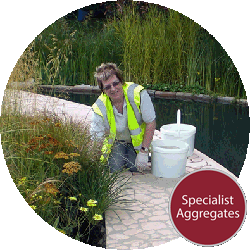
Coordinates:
x,y
57,170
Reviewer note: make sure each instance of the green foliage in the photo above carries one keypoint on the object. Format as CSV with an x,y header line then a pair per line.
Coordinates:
x,y
152,45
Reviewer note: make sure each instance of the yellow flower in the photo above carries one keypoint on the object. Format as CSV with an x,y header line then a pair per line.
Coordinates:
x,y
83,209
73,198
33,207
74,154
48,152
61,155
22,181
61,231
216,79
33,196
91,203
97,217
57,124
50,188
71,167
40,137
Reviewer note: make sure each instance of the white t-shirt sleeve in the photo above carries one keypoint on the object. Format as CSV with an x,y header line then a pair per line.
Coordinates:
x,y
97,128
147,107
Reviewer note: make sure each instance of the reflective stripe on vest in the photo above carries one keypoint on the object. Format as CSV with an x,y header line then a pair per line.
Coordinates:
x,y
103,107
133,97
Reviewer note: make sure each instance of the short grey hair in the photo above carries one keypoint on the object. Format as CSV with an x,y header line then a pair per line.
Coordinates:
x,y
105,71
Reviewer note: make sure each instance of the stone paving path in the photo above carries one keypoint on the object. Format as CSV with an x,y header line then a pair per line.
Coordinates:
x,y
143,221
31,103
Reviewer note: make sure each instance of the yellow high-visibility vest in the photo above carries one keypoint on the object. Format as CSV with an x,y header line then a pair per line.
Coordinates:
x,y
103,107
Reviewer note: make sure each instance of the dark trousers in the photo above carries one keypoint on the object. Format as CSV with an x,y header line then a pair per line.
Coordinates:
x,y
122,155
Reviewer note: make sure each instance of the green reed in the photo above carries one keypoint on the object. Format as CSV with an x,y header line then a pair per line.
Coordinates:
x,y
162,48
156,48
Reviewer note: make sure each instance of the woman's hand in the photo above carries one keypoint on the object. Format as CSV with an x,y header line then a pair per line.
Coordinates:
x,y
141,161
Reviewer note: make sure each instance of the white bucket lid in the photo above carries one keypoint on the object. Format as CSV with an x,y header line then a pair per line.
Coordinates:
x,y
169,146
172,129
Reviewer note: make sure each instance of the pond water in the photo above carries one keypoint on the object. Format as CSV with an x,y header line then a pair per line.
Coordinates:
x,y
222,130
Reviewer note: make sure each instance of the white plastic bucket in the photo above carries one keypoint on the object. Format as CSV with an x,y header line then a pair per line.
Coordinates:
x,y
168,158
187,134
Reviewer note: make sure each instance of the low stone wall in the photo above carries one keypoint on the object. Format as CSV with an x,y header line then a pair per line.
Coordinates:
x,y
78,89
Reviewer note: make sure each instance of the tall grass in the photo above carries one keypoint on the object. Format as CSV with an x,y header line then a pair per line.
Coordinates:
x,y
170,49
157,48
69,52
27,66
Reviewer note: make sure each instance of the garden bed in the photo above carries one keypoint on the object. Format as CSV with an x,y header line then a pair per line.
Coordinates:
x,y
58,171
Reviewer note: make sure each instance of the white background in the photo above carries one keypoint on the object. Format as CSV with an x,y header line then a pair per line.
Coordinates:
x,y
22,20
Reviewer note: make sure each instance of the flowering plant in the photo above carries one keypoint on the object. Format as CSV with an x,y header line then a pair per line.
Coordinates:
x,y
59,176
